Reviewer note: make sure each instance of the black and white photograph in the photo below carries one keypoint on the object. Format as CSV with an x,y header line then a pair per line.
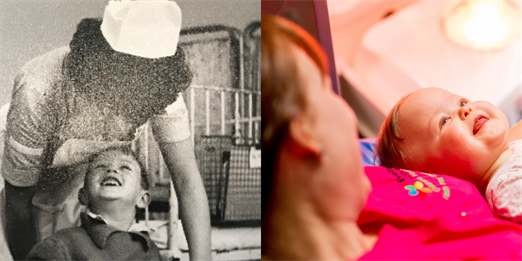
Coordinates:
x,y
130,130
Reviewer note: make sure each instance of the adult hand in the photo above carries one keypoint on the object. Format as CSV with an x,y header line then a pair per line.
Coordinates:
x,y
76,151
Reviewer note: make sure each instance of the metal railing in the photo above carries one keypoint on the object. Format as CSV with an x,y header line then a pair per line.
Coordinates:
x,y
224,100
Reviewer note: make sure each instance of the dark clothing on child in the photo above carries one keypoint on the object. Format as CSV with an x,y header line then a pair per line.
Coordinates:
x,y
95,240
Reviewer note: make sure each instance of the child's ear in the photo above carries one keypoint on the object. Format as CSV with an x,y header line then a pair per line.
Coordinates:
x,y
144,200
83,197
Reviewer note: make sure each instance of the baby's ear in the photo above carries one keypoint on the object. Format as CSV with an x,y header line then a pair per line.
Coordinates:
x,y
83,197
144,200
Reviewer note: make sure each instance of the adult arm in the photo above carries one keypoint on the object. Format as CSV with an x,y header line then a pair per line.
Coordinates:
x,y
20,228
172,133
21,170
515,133
194,212
27,126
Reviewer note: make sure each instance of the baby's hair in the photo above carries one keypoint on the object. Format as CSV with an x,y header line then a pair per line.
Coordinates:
x,y
388,146
144,182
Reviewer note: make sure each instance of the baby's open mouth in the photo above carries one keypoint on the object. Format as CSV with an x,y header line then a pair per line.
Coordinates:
x,y
479,122
111,181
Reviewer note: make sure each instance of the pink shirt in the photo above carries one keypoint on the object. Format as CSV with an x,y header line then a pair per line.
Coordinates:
x,y
445,219
504,191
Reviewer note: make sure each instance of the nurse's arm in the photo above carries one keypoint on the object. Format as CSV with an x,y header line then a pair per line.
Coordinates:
x,y
20,228
172,132
21,170
181,162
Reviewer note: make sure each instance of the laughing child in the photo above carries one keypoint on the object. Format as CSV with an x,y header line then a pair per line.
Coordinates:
x,y
435,131
115,186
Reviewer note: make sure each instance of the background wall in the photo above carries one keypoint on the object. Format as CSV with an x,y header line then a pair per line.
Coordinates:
x,y
29,28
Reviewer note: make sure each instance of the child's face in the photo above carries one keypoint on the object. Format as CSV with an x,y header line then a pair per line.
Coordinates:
x,y
114,176
447,134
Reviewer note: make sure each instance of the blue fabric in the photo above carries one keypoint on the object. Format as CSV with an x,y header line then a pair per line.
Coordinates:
x,y
367,147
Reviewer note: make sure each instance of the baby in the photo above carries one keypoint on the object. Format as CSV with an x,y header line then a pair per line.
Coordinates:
x,y
435,131
115,185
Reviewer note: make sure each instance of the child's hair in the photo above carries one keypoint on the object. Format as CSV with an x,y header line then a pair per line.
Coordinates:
x,y
144,182
388,146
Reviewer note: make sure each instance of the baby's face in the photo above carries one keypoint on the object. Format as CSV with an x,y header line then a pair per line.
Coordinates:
x,y
114,176
447,134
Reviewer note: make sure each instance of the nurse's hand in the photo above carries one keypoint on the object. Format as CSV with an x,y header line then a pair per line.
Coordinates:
x,y
76,151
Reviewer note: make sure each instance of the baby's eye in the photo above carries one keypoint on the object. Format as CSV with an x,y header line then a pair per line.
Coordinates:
x,y
463,103
444,121
125,167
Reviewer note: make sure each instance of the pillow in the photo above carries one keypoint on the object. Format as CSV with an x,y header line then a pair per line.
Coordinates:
x,y
367,147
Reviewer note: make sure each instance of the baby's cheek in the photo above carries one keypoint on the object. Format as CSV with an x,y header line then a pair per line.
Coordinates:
x,y
459,139
496,134
455,152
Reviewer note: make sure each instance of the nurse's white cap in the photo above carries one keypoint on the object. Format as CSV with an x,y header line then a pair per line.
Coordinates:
x,y
142,28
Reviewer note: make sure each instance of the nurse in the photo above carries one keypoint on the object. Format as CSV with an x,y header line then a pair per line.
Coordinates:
x,y
117,75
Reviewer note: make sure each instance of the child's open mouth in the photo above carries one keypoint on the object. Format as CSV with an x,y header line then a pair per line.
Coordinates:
x,y
479,122
111,181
